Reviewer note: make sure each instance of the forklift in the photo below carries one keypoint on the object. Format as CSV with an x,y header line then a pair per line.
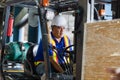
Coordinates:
x,y
43,6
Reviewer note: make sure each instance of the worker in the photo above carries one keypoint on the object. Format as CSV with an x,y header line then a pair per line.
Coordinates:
x,y
58,42
115,73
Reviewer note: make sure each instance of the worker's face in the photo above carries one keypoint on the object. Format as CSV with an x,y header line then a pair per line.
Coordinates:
x,y
58,31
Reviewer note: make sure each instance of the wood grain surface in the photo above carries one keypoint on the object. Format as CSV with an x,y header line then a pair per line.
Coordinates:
x,y
101,49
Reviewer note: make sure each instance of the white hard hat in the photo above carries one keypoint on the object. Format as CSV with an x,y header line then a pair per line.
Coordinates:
x,y
59,20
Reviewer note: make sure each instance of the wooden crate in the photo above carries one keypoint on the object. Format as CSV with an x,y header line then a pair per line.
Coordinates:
x,y
101,49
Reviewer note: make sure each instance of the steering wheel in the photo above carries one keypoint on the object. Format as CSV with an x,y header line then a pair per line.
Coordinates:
x,y
69,51
71,55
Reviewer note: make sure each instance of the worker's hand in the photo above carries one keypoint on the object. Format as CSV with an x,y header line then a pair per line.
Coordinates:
x,y
115,73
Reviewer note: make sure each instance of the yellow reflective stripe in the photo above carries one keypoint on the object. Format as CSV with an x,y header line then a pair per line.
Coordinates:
x,y
55,57
54,54
66,41
66,45
37,62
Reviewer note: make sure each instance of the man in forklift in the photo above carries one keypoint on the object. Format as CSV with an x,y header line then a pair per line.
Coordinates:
x,y
58,42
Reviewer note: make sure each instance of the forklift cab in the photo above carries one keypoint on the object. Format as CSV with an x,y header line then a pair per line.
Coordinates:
x,y
62,9
70,6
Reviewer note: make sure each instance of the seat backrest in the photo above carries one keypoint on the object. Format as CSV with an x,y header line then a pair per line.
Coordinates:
x,y
29,66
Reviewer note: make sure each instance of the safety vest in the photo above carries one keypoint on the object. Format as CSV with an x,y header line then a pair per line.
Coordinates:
x,y
55,56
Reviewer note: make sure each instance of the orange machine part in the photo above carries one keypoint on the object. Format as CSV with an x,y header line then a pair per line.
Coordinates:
x,y
45,2
101,12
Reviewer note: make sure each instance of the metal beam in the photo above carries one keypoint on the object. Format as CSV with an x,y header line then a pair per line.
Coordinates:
x,y
104,1
4,36
92,11
79,41
13,2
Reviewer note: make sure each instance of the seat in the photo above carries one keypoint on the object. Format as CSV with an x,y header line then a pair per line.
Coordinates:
x,y
29,62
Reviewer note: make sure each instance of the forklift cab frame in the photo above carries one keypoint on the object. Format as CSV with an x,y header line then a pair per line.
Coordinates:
x,y
57,6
